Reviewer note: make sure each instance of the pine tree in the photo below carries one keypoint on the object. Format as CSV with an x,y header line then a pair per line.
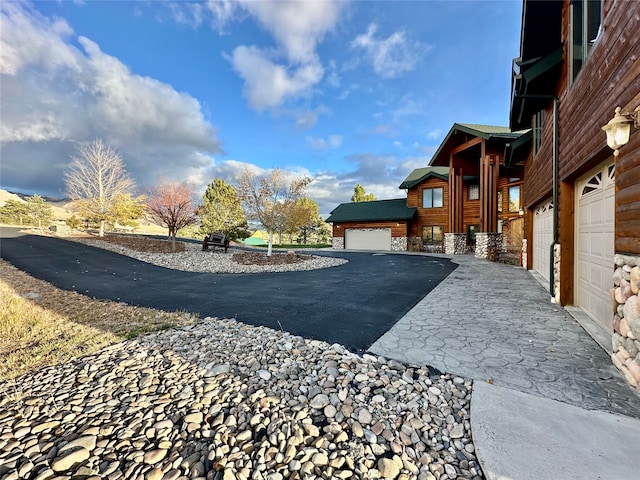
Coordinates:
x,y
359,195
222,211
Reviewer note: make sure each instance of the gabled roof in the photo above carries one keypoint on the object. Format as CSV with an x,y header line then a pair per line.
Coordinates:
x,y
486,132
378,210
421,174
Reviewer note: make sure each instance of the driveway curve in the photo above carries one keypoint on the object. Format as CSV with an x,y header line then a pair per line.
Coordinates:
x,y
352,304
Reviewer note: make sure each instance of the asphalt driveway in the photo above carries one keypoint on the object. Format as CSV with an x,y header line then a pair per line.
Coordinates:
x,y
353,304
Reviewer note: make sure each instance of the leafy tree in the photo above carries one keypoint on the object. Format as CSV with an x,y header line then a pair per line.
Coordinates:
x,y
304,217
39,210
73,222
268,199
15,212
96,179
127,209
173,206
222,211
360,196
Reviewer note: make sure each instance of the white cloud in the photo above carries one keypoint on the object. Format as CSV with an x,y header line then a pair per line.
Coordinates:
x,y
267,84
46,45
332,141
390,57
306,120
434,134
297,26
56,94
291,69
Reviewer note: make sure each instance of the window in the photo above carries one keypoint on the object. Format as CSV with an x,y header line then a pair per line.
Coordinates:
x,y
514,199
432,235
432,198
473,192
537,132
500,201
586,20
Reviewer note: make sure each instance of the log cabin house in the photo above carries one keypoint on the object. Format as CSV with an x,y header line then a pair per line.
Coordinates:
x,y
578,61
465,194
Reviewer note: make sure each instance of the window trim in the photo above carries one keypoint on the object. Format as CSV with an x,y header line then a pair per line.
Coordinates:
x,y
431,190
538,120
476,188
439,242
586,44
519,207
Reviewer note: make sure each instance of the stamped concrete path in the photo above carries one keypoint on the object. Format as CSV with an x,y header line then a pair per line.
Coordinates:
x,y
547,402
494,323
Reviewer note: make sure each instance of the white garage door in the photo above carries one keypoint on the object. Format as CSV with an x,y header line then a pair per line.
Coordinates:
x,y
368,239
595,197
542,238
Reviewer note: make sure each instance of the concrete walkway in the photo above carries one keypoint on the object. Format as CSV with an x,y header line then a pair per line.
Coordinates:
x,y
495,323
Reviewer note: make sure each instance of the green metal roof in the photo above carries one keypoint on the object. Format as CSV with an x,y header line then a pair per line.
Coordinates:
x,y
487,132
420,174
378,210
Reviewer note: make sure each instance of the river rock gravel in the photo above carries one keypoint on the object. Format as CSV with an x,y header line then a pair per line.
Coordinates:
x,y
223,400
193,259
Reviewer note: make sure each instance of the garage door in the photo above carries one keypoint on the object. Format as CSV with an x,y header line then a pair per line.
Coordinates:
x,y
368,239
595,194
542,238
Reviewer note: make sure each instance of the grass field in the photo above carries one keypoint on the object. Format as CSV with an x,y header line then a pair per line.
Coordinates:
x,y
41,325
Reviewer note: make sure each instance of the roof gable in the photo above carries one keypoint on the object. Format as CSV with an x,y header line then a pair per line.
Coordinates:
x,y
486,132
378,210
421,174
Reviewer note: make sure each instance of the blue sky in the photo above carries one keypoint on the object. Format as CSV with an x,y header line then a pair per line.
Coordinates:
x,y
345,92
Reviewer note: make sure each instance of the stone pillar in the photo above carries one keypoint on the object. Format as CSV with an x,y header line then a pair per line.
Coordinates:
x,y
455,243
399,244
626,319
524,253
337,243
556,273
487,243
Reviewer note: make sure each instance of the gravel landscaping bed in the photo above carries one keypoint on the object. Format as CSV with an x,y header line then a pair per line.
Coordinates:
x,y
223,400
193,259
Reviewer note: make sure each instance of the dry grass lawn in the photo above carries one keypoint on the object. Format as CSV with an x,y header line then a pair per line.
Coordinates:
x,y
41,325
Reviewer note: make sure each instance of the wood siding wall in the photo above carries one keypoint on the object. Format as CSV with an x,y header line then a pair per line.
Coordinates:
x,y
610,78
398,228
428,216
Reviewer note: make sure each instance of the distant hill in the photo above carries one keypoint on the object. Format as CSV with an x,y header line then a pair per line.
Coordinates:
x,y
61,210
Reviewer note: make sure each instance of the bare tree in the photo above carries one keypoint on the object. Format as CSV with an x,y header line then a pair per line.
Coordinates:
x,y
269,199
96,179
173,205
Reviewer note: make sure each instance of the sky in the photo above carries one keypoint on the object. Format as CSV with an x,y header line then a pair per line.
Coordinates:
x,y
344,92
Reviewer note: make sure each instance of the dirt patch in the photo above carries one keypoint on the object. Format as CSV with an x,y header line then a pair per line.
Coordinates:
x,y
143,244
260,258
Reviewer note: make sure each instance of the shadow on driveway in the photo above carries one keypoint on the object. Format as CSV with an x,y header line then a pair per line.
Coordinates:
x,y
352,304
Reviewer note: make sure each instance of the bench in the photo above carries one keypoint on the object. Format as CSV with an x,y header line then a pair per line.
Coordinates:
x,y
215,240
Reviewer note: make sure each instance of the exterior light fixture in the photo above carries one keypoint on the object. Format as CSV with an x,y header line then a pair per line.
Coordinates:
x,y
618,129
521,212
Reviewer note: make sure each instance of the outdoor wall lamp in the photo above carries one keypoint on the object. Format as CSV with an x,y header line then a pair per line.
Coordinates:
x,y
618,128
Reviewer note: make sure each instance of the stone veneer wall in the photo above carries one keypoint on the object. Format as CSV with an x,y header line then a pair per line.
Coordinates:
x,y
524,253
556,273
455,243
398,244
488,241
414,244
337,243
626,320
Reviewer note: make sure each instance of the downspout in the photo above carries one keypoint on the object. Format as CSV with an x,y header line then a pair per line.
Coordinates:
x,y
556,186
556,180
